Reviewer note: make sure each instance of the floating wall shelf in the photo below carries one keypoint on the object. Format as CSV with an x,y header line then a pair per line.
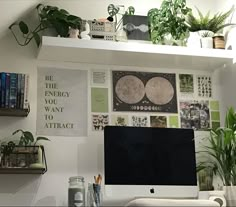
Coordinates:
x,y
14,112
132,54
22,170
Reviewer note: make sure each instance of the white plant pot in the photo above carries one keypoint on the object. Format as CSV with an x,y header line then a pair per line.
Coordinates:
x,y
207,42
230,195
73,33
194,40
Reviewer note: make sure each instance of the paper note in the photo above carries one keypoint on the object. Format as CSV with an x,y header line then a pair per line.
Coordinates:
x,y
99,99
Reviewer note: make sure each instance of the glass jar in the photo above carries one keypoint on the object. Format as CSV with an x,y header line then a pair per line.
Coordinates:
x,y
76,191
94,195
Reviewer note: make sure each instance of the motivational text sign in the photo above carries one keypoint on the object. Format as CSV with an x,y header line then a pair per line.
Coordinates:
x,y
62,102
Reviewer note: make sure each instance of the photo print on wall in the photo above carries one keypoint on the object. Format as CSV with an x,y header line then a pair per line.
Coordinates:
x,y
139,121
158,121
144,92
99,121
119,120
186,83
195,114
204,84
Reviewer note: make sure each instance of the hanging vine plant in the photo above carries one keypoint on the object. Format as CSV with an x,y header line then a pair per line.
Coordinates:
x,y
49,17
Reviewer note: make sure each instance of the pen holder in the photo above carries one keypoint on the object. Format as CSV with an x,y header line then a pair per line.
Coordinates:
x,y
94,196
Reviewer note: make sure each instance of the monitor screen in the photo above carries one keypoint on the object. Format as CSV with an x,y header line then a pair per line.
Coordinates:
x,y
144,156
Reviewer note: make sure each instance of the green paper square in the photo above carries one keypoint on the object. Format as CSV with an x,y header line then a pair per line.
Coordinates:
x,y
215,125
214,105
215,115
174,122
99,99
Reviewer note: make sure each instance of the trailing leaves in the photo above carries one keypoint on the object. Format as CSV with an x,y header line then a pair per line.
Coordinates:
x,y
49,17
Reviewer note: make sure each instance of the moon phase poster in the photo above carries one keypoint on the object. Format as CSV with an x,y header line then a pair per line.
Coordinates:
x,y
144,91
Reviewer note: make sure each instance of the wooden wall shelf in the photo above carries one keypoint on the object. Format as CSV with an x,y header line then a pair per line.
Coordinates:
x,y
22,170
14,112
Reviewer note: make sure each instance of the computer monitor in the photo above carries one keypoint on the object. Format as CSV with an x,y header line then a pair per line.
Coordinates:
x,y
149,162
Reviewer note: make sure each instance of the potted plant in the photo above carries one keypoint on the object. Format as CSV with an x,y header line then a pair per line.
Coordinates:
x,y
220,154
169,22
206,39
114,11
27,139
27,146
49,17
198,26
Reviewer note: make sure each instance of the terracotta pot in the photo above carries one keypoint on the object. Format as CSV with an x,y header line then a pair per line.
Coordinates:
x,y
73,33
219,42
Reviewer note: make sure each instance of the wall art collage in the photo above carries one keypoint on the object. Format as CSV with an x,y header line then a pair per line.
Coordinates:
x,y
152,99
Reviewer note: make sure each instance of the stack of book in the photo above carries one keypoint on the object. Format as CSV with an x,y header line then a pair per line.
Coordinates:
x,y
14,90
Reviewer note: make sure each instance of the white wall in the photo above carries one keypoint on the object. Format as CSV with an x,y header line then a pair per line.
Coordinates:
x,y
66,156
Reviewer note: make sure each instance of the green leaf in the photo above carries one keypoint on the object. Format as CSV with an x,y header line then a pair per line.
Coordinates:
x,y
131,10
23,27
28,136
42,138
37,38
18,130
62,28
112,10
73,18
63,11
38,6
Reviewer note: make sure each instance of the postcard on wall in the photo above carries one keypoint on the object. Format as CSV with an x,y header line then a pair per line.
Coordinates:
x,y
62,102
119,120
99,77
186,83
204,84
214,105
173,121
139,121
99,100
195,114
144,92
99,121
158,121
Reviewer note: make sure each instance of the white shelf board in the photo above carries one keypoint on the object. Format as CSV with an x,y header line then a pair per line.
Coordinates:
x,y
132,54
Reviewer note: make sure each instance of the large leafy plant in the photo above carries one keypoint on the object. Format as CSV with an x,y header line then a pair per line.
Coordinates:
x,y
214,23
49,17
169,19
220,152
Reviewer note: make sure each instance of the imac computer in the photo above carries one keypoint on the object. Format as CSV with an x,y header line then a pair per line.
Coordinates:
x,y
149,162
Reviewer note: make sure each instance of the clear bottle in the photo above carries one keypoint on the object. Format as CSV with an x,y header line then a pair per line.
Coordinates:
x,y
76,192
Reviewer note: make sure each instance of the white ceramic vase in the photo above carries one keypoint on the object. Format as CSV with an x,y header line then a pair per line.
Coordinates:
x,y
230,195
207,42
